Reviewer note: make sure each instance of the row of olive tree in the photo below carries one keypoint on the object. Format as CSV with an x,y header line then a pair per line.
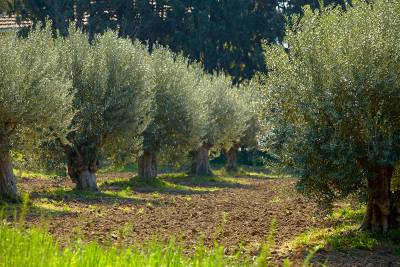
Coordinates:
x,y
332,106
111,95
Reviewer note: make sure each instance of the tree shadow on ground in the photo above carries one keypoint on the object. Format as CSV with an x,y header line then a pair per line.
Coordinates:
x,y
249,172
20,212
205,182
92,197
156,185
174,184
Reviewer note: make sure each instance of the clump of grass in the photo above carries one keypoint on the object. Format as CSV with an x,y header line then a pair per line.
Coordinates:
x,y
265,254
344,233
34,174
346,215
341,238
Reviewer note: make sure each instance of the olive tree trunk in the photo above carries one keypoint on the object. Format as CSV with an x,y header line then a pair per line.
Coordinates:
x,y
395,211
82,168
231,158
383,211
147,165
193,162
8,184
201,163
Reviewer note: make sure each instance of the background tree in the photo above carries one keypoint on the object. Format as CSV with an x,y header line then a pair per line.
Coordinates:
x,y
114,85
333,106
293,7
4,6
35,97
177,110
226,120
250,113
60,12
223,35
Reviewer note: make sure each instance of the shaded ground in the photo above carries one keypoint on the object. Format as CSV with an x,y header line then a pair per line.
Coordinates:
x,y
235,212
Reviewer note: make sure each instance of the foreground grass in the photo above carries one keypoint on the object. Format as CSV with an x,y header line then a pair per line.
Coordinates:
x,y
21,246
35,247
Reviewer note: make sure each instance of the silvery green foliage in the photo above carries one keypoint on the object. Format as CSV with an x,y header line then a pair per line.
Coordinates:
x,y
113,79
35,92
177,113
227,111
335,96
251,113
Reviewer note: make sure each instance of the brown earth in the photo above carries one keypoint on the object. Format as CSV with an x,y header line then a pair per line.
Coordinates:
x,y
236,212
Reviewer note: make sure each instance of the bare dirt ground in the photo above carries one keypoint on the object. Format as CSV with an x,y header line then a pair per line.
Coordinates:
x,y
236,212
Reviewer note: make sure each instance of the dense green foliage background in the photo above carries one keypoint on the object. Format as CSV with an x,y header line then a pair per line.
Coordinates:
x,y
224,35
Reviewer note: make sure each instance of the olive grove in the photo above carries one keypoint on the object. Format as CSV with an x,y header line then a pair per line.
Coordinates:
x,y
333,106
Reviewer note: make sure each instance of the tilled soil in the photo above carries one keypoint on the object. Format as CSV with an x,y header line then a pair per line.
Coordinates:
x,y
235,213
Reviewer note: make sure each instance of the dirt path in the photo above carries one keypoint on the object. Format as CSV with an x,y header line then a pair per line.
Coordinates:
x,y
235,212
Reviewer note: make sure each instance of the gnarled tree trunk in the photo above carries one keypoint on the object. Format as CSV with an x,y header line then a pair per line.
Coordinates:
x,y
82,168
383,210
201,164
231,158
147,165
8,184
377,217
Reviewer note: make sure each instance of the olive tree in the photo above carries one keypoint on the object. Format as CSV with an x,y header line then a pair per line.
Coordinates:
x,y
35,97
114,86
250,114
176,110
227,118
333,105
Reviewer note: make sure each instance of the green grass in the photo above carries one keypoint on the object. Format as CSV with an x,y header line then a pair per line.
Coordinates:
x,y
35,247
127,168
344,234
33,174
341,238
